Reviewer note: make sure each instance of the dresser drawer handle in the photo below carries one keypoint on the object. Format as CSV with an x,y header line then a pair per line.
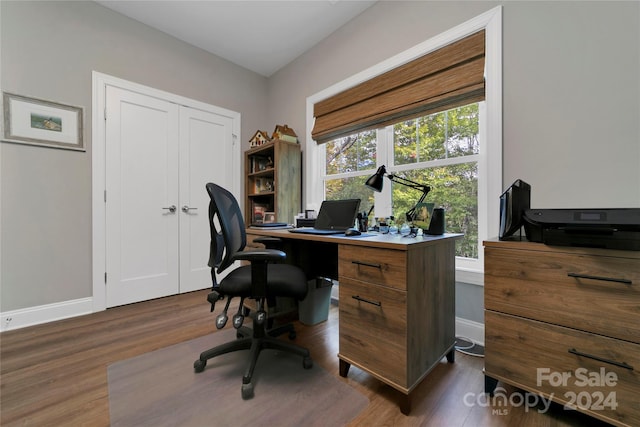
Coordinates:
x,y
606,279
359,298
601,359
367,264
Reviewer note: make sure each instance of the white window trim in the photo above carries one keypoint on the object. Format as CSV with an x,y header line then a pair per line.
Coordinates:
x,y
490,166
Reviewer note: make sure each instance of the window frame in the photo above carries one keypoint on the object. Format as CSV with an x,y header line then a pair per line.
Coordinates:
x,y
490,131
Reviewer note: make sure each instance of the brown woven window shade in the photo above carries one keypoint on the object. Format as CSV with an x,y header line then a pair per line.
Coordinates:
x,y
449,77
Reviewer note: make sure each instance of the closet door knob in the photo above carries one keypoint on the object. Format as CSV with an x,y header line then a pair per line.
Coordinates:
x,y
171,208
186,209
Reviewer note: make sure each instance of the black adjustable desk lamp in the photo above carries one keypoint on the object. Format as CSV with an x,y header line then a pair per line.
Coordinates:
x,y
375,183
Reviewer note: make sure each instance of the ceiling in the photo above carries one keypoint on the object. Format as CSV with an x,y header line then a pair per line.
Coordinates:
x,y
262,36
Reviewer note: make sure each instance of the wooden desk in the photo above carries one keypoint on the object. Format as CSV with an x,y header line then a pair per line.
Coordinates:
x,y
396,300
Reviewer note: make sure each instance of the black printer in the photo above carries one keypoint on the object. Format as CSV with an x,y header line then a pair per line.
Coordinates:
x,y
599,228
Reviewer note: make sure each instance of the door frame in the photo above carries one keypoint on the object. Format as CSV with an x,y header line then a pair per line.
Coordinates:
x,y
98,168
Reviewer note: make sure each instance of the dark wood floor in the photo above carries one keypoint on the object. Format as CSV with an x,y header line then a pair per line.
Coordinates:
x,y
56,374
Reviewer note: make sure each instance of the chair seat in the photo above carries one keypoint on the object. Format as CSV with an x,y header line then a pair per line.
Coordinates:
x,y
283,280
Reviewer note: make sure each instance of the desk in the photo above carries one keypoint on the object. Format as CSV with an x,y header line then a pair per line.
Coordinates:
x,y
396,300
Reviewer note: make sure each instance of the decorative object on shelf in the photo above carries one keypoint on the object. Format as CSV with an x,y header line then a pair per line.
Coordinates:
x,y
259,138
38,122
259,163
269,218
284,133
263,185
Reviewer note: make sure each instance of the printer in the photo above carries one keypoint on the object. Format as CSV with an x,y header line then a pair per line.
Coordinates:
x,y
599,228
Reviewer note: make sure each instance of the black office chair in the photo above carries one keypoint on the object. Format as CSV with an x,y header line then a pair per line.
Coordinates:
x,y
266,278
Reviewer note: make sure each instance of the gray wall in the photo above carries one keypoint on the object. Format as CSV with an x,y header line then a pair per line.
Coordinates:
x,y
571,93
571,88
48,50
571,109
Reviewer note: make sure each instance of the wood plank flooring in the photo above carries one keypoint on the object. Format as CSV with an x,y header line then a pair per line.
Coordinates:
x,y
56,374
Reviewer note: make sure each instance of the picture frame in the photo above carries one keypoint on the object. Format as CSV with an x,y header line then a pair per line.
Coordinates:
x,y
423,215
259,210
35,121
269,218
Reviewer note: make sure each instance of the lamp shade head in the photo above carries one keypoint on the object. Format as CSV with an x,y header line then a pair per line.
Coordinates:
x,y
375,181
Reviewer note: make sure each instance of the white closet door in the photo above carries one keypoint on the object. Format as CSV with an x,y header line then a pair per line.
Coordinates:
x,y
142,204
206,147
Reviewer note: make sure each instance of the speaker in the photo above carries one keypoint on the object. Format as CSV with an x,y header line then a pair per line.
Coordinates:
x,y
436,226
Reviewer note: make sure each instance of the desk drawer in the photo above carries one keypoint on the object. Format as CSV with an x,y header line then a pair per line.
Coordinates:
x,y
598,294
380,266
535,355
373,329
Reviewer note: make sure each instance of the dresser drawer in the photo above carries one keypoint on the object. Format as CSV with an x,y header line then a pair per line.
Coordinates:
x,y
380,266
373,329
541,357
598,294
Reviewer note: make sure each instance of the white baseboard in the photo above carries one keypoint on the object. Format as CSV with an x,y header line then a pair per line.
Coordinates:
x,y
470,329
22,318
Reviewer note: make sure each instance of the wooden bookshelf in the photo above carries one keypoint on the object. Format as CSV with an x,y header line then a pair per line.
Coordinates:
x,y
273,181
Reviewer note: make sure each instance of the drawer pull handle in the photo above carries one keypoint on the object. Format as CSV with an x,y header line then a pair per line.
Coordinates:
x,y
601,359
367,264
606,279
359,298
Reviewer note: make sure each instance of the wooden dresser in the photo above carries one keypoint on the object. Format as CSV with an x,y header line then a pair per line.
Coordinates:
x,y
564,323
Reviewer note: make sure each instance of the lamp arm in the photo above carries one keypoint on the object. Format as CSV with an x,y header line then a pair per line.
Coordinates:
x,y
411,213
412,184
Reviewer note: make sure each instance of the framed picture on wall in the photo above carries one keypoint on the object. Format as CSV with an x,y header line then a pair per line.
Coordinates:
x,y
38,122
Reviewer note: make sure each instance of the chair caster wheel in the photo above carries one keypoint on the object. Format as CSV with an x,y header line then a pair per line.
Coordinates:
x,y
307,363
199,365
292,335
247,391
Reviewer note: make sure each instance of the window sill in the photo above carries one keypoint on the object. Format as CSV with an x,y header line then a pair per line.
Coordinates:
x,y
472,277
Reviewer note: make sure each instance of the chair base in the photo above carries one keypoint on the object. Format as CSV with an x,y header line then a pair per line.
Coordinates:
x,y
255,340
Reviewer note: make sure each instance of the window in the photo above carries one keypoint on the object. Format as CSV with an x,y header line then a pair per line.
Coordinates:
x,y
458,152
440,150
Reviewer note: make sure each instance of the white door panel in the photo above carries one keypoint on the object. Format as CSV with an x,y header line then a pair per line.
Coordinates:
x,y
141,182
205,156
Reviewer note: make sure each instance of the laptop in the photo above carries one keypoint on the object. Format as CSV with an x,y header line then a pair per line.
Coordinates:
x,y
334,217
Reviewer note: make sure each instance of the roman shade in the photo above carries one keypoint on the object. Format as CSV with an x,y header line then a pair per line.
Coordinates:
x,y
446,78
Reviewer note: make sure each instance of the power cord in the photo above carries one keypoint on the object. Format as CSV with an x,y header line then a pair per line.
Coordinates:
x,y
467,346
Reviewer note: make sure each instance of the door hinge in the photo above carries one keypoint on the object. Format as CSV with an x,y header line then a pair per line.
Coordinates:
x,y
105,114
105,196
105,277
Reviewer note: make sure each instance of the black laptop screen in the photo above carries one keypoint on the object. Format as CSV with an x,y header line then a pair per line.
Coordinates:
x,y
337,214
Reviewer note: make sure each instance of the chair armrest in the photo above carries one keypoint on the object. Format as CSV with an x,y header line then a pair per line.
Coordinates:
x,y
259,259
269,242
269,255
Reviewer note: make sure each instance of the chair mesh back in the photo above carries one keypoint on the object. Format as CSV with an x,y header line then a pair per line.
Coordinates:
x,y
227,227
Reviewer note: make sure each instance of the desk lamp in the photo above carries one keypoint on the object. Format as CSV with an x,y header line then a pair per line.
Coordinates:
x,y
376,180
